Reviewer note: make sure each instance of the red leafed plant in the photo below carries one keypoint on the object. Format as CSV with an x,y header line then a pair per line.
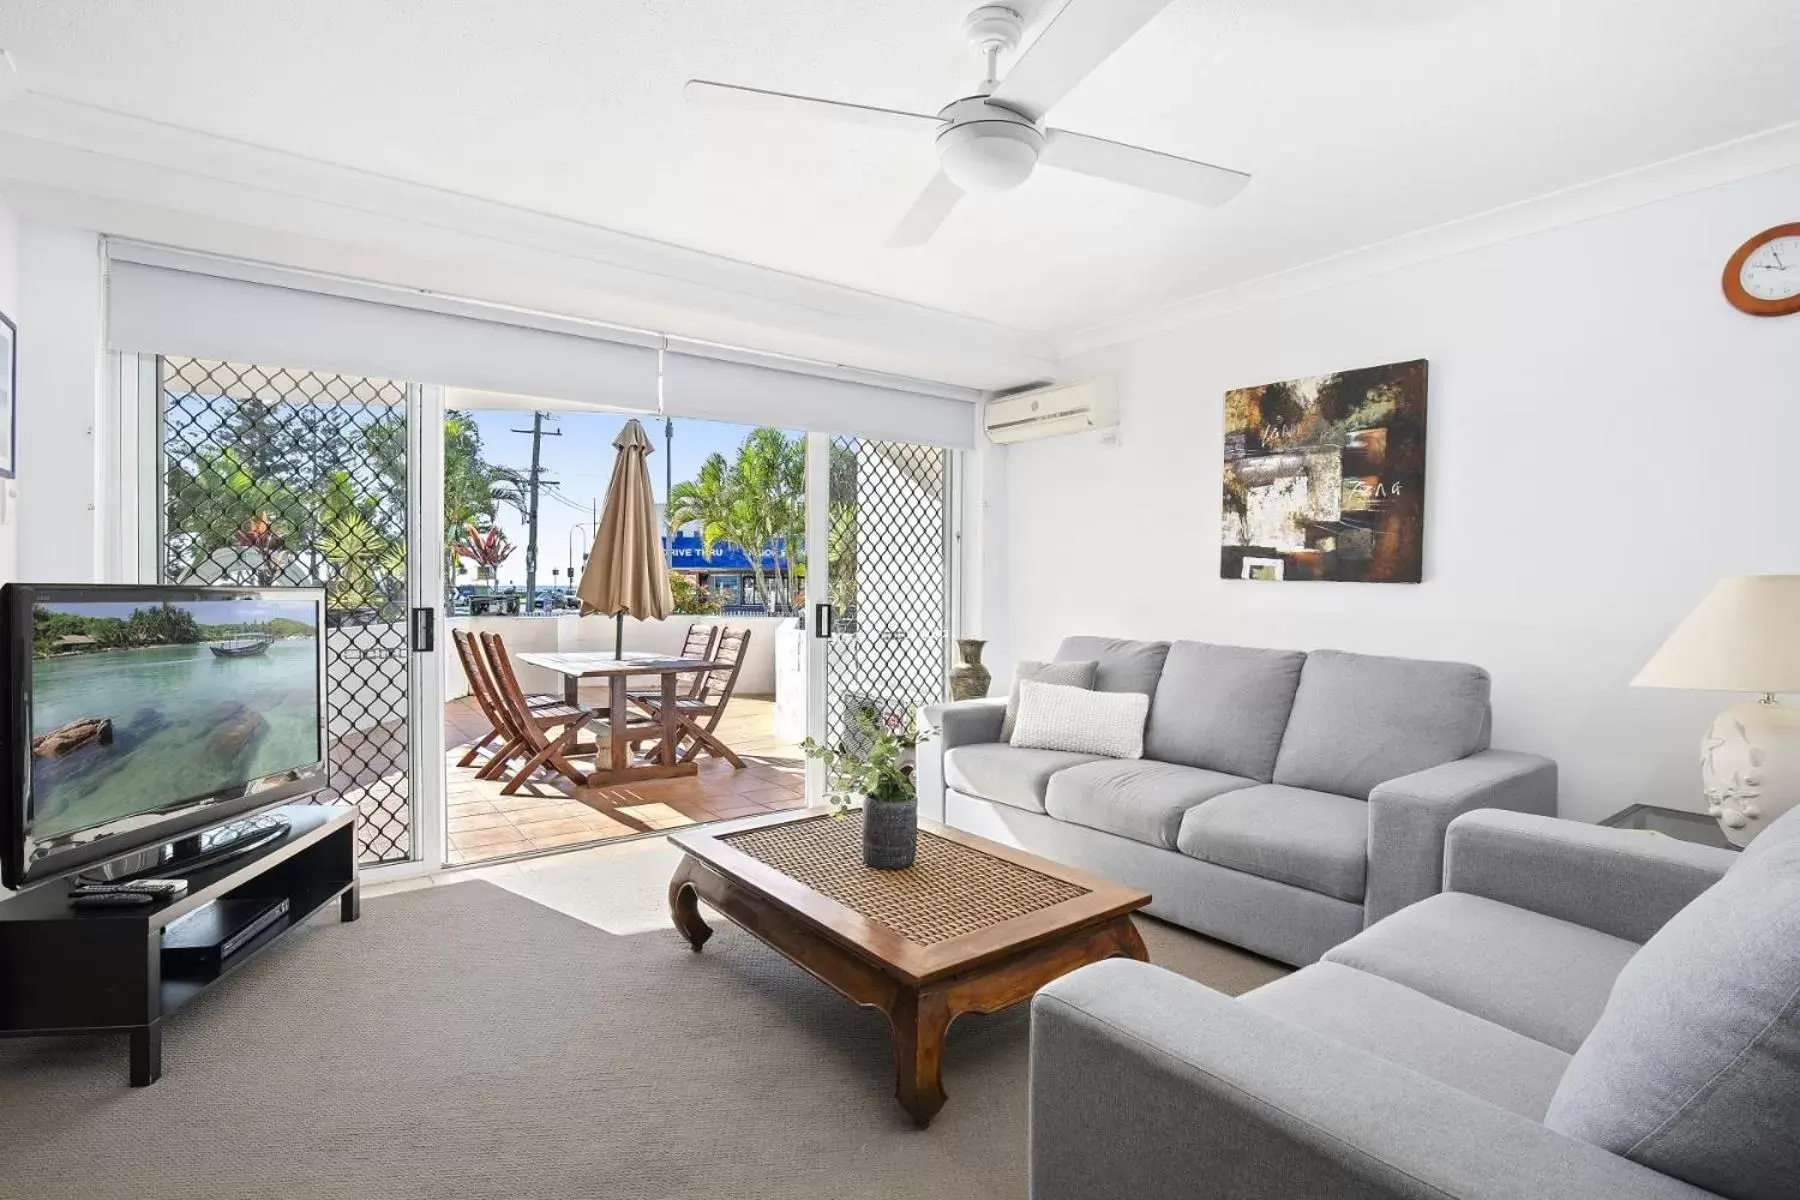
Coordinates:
x,y
259,534
486,548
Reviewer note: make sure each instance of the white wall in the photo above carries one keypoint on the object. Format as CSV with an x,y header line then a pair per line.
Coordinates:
x,y
1606,437
9,304
60,285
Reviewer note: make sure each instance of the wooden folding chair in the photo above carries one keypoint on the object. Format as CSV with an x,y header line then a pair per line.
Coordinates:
x,y
481,687
700,714
699,642
531,727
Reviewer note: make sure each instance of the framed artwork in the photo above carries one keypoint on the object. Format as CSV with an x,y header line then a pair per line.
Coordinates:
x,y
1325,478
9,393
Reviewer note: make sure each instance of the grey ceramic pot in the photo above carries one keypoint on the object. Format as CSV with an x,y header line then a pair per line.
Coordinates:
x,y
890,833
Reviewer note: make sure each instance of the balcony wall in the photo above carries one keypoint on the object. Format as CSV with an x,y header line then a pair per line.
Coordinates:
x,y
571,633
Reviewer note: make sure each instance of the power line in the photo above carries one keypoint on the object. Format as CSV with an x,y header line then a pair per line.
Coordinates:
x,y
563,498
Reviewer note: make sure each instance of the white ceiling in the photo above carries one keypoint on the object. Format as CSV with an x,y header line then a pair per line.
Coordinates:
x,y
1361,120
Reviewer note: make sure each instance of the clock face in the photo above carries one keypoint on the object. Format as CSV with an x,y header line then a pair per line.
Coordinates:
x,y
1763,277
1772,271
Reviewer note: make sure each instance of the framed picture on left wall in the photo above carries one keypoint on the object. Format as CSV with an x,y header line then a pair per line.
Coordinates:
x,y
9,396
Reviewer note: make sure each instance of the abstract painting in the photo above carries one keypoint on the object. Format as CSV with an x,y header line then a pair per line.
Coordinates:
x,y
1325,478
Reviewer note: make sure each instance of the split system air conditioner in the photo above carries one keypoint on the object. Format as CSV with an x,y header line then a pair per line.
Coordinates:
x,y
1052,410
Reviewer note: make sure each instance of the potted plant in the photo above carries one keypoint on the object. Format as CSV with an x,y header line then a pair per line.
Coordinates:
x,y
878,769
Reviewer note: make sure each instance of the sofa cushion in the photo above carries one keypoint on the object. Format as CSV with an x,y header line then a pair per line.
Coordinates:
x,y
1052,717
1313,840
1143,800
1068,674
1536,975
1122,665
1223,707
1360,720
1006,774
1410,1028
1694,1068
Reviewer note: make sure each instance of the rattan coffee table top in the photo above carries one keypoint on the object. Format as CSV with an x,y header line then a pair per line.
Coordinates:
x,y
950,890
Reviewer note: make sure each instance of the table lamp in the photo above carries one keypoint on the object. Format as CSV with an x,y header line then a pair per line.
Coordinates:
x,y
1743,637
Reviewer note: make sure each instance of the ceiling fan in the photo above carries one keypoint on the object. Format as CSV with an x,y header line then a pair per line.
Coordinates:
x,y
991,141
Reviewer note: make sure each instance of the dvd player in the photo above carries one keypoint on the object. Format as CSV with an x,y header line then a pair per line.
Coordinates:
x,y
202,941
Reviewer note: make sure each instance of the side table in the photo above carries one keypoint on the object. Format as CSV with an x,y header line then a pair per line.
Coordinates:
x,y
1672,822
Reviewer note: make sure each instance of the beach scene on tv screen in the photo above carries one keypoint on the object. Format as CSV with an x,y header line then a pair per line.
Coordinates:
x,y
137,707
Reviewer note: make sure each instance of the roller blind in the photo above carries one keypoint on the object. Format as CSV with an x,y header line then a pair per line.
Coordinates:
x,y
155,309
722,389
163,301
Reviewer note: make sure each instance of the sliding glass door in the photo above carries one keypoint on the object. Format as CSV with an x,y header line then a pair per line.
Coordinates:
x,y
268,476
880,584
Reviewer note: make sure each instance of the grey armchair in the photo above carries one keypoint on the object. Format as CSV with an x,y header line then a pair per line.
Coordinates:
x,y
1419,1059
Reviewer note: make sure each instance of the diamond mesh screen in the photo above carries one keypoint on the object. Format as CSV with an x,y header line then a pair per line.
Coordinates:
x,y
889,572
280,477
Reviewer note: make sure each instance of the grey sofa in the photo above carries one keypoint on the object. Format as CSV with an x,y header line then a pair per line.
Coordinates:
x,y
1286,799
1508,1039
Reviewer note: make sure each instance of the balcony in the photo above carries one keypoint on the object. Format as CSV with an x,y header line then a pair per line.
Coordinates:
x,y
549,813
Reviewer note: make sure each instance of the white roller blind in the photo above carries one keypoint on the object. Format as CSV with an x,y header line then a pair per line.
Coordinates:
x,y
162,310
719,389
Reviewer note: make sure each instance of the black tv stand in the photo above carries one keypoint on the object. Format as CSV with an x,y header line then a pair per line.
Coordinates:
x,y
184,856
65,970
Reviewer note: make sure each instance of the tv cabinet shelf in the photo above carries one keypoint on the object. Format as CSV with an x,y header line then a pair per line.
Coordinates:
x,y
65,970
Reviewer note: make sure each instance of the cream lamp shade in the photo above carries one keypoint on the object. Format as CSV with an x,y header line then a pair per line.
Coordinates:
x,y
1743,637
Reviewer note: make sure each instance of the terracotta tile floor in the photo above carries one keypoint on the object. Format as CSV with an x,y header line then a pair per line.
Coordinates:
x,y
550,813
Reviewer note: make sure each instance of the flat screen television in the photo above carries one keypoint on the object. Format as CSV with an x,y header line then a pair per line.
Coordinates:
x,y
138,715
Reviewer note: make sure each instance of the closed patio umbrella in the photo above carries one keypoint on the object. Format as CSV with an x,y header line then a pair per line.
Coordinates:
x,y
626,571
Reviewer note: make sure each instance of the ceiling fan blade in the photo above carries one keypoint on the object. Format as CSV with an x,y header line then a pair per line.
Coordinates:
x,y
1151,170
927,213
781,104
1078,39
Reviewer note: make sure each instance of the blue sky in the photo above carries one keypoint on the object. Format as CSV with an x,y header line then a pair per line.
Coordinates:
x,y
580,462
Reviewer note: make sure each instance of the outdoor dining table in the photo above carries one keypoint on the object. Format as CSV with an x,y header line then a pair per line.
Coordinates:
x,y
603,664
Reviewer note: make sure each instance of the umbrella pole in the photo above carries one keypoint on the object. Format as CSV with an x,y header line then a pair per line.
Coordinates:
x,y
619,635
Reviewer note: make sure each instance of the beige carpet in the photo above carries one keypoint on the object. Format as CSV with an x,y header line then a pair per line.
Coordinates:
x,y
464,1041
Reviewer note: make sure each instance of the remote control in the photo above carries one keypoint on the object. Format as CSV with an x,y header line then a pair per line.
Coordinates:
x,y
162,889
113,900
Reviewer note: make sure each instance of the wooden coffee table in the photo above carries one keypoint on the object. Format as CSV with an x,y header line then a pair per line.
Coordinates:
x,y
971,926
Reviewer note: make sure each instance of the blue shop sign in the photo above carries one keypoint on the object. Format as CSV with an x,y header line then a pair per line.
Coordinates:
x,y
686,554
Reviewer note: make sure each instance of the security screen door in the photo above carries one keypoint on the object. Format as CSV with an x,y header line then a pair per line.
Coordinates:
x,y
879,585
278,477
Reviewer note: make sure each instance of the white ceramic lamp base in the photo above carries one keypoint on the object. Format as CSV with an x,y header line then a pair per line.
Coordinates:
x,y
1750,767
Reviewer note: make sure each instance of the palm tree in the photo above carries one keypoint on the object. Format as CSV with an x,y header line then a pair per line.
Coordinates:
x,y
769,480
364,560
715,501
756,503
474,489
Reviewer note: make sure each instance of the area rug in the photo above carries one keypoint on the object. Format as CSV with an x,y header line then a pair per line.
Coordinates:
x,y
464,1041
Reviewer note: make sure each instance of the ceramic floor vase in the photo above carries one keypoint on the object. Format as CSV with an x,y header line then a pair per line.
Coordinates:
x,y
969,679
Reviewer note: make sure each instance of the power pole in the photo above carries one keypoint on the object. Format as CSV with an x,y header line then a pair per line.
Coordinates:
x,y
538,435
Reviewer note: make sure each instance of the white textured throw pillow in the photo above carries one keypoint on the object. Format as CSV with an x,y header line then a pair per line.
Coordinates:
x,y
1069,674
1054,717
